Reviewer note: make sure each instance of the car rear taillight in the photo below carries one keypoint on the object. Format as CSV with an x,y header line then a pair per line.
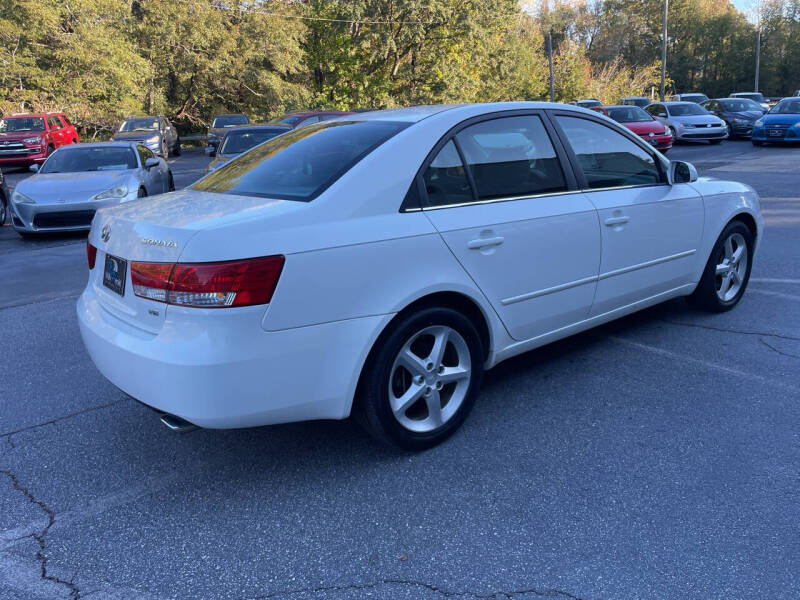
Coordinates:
x,y
209,285
91,254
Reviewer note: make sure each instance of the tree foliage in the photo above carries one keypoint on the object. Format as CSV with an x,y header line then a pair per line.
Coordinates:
x,y
101,60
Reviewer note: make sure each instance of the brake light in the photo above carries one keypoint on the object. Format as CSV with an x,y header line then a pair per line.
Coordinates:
x,y
91,254
209,285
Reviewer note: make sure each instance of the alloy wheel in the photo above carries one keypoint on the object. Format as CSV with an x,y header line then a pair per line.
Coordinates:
x,y
430,378
731,267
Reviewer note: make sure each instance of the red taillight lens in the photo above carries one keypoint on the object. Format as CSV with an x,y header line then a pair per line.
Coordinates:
x,y
91,254
209,285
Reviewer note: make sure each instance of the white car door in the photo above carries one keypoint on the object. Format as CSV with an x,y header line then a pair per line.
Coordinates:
x,y
651,230
515,221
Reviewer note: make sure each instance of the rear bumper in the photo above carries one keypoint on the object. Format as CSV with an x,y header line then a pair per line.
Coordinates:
x,y
222,370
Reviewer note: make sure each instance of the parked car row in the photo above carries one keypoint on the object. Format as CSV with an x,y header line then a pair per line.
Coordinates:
x,y
27,139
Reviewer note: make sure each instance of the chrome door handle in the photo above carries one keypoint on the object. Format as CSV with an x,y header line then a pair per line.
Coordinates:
x,y
484,242
611,221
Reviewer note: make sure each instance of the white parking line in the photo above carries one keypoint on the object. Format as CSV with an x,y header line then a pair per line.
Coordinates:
x,y
775,294
771,280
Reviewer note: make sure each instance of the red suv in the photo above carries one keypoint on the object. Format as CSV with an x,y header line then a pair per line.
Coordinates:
x,y
29,139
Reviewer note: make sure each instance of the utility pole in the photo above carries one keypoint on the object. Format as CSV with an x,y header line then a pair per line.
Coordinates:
x,y
661,90
758,44
550,60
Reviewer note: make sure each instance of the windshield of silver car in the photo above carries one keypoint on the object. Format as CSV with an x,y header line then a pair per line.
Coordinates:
x,y
300,164
74,160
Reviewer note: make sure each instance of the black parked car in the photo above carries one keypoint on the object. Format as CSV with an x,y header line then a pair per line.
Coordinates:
x,y
4,195
220,125
739,114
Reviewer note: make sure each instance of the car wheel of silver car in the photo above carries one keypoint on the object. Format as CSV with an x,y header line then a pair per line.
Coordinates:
x,y
171,184
141,193
3,211
421,379
727,272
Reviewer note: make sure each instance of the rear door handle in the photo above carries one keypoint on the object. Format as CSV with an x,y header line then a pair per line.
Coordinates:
x,y
484,242
611,221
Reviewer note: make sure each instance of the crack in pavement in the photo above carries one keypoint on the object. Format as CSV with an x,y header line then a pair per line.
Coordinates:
x,y
8,434
541,592
74,591
773,348
727,330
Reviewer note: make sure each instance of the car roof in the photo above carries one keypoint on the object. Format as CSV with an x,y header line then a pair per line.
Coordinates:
x,y
26,115
230,115
675,102
635,98
626,106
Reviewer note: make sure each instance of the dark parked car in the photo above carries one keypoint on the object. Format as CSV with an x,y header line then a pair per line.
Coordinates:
x,y
300,118
754,96
221,123
155,133
3,200
240,139
588,103
739,114
640,101
28,139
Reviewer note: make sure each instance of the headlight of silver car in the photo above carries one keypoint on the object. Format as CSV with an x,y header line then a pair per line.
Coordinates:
x,y
20,198
119,191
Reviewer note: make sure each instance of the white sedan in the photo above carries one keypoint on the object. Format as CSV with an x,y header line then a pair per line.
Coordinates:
x,y
377,264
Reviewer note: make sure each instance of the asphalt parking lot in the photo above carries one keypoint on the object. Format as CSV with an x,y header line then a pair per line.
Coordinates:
x,y
655,457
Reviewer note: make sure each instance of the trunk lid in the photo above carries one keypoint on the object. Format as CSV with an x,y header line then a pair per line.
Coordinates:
x,y
157,229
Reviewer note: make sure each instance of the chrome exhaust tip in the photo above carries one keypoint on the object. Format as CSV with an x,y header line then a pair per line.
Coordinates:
x,y
177,424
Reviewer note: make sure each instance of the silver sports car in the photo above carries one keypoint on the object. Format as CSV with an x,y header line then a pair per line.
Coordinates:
x,y
76,180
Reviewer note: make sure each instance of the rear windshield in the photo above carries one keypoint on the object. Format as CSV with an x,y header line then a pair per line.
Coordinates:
x,y
73,160
236,142
693,97
22,124
630,114
754,97
290,120
684,110
229,121
300,164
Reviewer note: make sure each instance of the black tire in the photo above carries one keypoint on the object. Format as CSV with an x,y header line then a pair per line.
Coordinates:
x,y
176,149
674,135
757,142
730,130
373,409
171,184
142,193
3,210
50,149
706,296
164,150
74,141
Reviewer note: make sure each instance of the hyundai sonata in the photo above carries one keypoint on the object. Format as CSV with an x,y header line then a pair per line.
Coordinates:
x,y
377,264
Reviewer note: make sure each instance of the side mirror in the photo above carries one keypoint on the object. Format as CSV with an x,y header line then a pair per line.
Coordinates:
x,y
150,163
34,168
682,172
211,151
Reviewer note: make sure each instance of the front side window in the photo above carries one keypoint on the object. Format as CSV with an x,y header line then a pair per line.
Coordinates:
x,y
608,158
54,123
74,159
446,180
21,124
510,157
302,163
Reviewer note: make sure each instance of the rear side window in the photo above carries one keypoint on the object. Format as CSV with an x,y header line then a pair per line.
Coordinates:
x,y
608,159
446,180
66,120
510,157
302,163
